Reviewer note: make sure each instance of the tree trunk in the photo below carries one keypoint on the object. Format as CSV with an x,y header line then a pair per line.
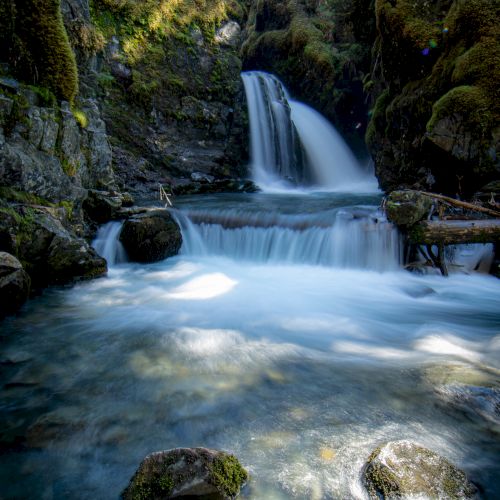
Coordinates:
x,y
453,232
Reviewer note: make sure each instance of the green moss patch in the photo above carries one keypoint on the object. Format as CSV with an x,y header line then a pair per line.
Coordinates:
x,y
39,49
228,475
470,103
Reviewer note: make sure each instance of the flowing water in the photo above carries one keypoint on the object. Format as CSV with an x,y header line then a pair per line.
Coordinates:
x,y
292,144
285,332
267,337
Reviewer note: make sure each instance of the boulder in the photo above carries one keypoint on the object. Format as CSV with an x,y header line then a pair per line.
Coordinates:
x,y
102,206
187,472
14,284
151,236
50,252
405,208
72,258
402,469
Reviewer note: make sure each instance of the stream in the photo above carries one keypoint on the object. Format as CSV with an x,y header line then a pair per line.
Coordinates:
x,y
286,331
300,366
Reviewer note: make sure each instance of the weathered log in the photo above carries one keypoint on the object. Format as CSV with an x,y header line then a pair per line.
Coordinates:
x,y
453,232
462,204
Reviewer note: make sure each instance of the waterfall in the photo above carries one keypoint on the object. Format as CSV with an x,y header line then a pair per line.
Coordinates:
x,y
273,139
343,239
290,141
108,245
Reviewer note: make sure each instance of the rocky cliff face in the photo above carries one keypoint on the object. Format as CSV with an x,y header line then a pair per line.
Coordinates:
x,y
435,72
159,101
167,80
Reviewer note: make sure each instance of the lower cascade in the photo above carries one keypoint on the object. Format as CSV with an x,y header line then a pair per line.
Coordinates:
x,y
343,238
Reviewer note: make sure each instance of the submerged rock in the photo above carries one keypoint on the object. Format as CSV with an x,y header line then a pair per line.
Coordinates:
x,y
187,472
151,236
402,469
14,284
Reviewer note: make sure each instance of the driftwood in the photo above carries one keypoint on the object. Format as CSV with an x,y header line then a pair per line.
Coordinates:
x,y
462,204
453,232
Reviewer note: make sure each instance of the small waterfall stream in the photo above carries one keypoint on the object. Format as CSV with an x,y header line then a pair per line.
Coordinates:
x,y
108,245
360,239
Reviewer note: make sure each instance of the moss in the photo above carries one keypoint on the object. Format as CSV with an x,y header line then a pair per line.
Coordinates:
x,y
10,194
68,207
470,102
480,65
227,475
469,20
377,117
46,96
69,168
80,117
44,55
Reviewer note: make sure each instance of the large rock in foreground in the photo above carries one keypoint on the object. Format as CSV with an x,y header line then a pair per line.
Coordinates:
x,y
187,472
402,469
14,284
51,254
151,236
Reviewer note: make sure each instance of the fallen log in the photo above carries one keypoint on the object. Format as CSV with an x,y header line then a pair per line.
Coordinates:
x,y
462,204
454,232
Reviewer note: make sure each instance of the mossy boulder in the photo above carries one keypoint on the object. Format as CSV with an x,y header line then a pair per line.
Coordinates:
x,y
151,237
187,472
49,252
402,469
405,208
14,284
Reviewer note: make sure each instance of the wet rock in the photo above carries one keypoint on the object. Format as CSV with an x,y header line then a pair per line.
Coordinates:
x,y
100,155
6,105
51,253
14,284
482,402
25,168
151,236
402,469
187,472
200,177
102,206
229,34
405,208
71,258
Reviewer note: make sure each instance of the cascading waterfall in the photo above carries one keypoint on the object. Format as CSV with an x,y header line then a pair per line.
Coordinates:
x,y
274,144
289,141
343,239
108,245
